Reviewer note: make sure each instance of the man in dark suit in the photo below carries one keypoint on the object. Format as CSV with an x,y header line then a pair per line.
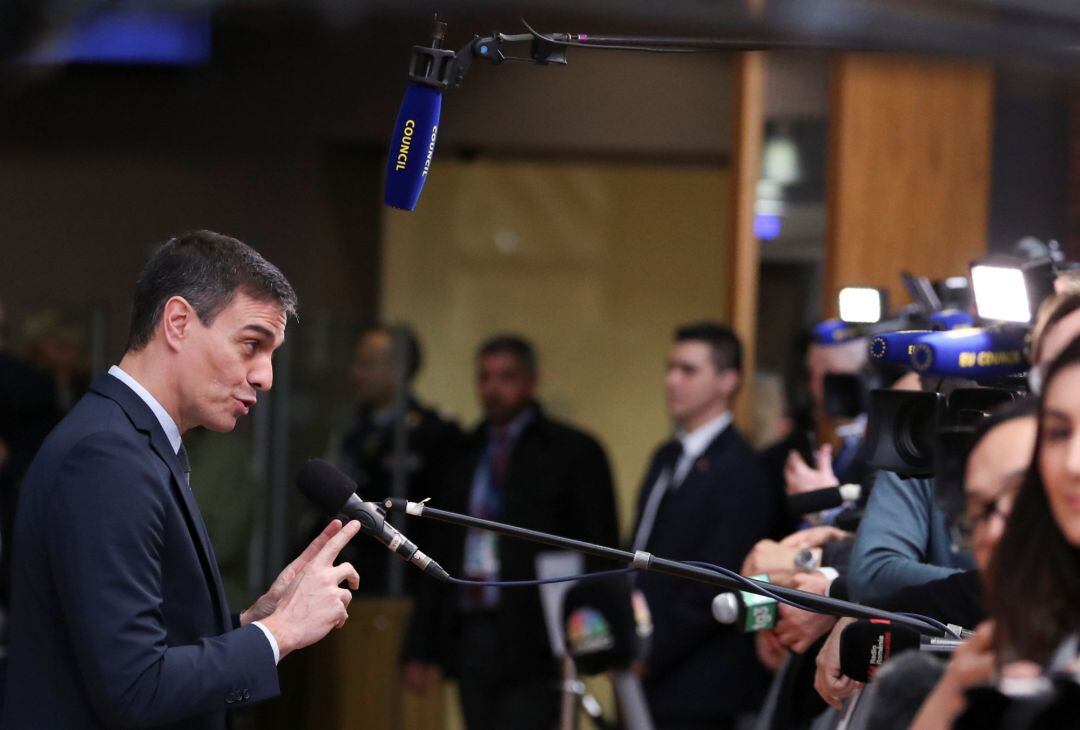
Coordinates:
x,y
367,451
118,614
705,497
523,467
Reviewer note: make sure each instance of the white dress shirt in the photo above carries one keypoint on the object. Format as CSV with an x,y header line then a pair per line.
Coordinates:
x,y
172,431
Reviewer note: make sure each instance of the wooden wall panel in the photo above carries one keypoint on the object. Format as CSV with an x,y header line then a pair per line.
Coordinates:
x,y
909,170
748,126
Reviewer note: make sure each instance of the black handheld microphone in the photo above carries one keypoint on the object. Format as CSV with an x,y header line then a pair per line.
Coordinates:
x,y
866,645
822,499
331,490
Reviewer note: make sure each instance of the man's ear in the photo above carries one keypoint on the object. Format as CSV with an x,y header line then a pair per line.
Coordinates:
x,y
730,381
177,319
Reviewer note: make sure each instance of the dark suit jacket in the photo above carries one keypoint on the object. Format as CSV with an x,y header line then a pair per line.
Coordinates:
x,y
368,457
118,615
558,481
955,599
698,669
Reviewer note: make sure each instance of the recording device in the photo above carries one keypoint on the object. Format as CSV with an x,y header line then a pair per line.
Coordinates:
x,y
607,627
822,499
866,645
973,353
434,69
334,492
747,612
906,429
604,628
895,348
412,144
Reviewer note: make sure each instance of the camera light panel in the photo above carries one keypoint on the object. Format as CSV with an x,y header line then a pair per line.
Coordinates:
x,y
861,304
1001,293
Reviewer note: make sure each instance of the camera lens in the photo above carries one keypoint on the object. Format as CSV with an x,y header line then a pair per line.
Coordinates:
x,y
913,433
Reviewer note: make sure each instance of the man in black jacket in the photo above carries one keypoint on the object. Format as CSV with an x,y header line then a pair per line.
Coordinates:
x,y
368,448
522,467
705,497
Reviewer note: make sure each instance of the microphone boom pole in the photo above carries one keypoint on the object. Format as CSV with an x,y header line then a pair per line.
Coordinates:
x,y
646,561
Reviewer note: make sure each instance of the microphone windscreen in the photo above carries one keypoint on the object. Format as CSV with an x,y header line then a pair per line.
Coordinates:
x,y
866,645
895,347
971,353
325,485
600,628
815,501
412,145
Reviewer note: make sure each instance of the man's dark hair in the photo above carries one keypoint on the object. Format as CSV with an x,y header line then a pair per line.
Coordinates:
x,y
723,344
509,344
207,269
414,354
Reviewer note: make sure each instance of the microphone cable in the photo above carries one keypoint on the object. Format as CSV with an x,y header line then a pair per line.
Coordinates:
x,y
538,581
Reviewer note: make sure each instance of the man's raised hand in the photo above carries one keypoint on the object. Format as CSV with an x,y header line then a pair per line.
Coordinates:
x,y
314,602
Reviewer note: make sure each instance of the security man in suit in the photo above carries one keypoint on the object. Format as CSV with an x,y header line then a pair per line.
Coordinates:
x,y
368,449
705,497
522,467
118,614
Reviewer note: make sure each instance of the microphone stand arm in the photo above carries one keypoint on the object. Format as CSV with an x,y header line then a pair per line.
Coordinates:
x,y
444,69
646,561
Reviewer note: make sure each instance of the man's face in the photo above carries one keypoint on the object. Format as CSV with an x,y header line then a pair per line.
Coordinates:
x,y
225,364
693,386
504,385
372,372
995,469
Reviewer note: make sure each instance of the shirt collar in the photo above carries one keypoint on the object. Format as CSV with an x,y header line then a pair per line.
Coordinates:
x,y
516,426
166,421
695,442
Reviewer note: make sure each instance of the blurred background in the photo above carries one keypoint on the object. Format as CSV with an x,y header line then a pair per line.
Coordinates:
x,y
589,207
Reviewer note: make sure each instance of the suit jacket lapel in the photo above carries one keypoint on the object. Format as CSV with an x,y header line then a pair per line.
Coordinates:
x,y
708,459
144,420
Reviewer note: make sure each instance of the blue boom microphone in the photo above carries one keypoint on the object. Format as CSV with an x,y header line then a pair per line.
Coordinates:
x,y
895,347
971,353
412,145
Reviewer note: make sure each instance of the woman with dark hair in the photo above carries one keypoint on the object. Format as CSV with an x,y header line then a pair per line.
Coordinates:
x,y
1039,554
1033,584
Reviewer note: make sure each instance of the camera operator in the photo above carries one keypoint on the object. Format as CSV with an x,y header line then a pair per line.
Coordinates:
x,y
835,348
1001,451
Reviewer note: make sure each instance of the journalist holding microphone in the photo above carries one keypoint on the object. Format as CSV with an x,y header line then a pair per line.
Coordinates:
x,y
118,615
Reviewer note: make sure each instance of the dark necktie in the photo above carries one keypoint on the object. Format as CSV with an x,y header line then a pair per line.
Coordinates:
x,y
185,464
500,455
667,461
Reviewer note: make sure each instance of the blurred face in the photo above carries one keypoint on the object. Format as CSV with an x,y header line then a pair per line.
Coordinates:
x,y
372,372
994,471
1059,454
223,366
504,385
695,391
